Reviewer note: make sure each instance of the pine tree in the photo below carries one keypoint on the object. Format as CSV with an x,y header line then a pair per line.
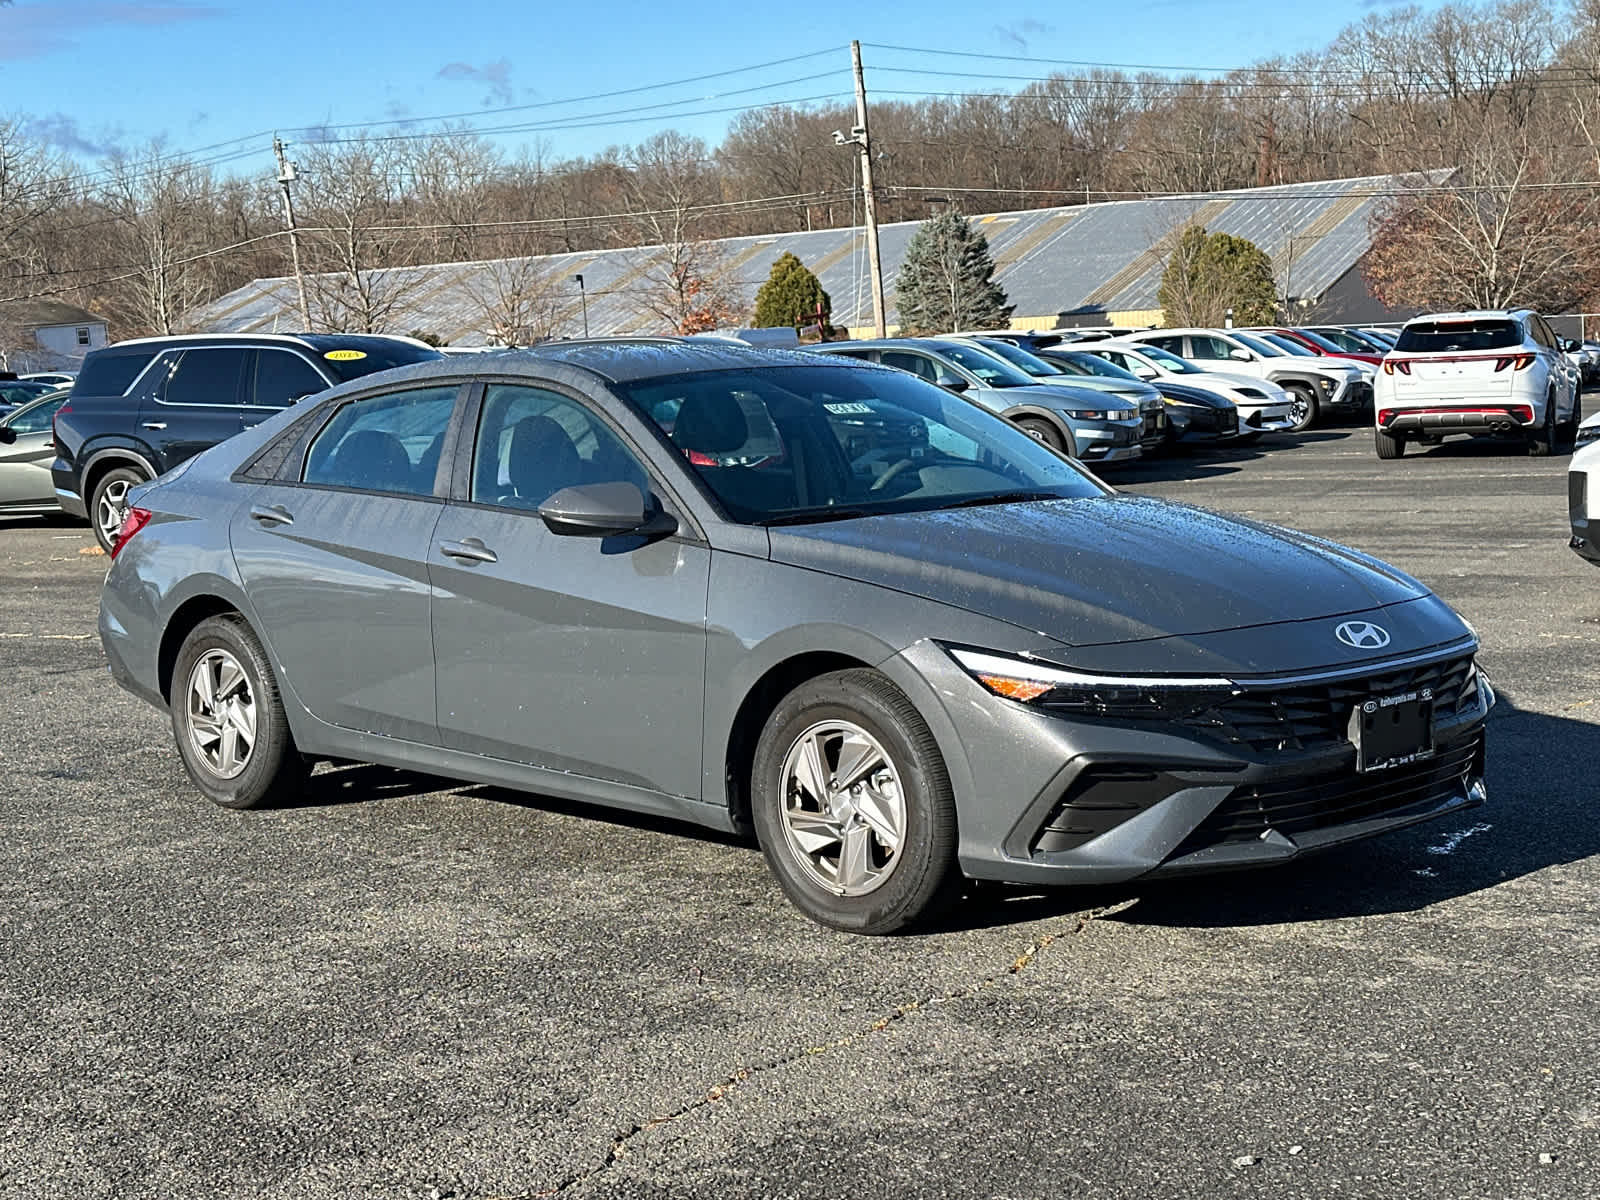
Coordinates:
x,y
790,296
1207,274
947,279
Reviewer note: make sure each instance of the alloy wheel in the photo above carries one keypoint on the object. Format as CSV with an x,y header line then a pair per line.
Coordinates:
x,y
113,508
844,811
221,712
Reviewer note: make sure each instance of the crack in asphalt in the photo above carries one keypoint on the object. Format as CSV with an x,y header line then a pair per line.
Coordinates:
x,y
731,1083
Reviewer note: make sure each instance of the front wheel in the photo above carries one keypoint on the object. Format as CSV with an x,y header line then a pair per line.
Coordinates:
x,y
1045,433
852,804
109,504
1304,411
228,719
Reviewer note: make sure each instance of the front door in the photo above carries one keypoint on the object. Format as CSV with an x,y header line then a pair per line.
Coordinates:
x,y
580,654
335,563
196,404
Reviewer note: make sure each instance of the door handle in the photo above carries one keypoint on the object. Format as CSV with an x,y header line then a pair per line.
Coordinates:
x,y
274,514
470,550
155,424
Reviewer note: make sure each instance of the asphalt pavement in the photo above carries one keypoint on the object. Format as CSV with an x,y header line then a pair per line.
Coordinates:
x,y
405,988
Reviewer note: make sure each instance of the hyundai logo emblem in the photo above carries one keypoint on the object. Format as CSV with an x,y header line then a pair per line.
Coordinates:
x,y
1362,635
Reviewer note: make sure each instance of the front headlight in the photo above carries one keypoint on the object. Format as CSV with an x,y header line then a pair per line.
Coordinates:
x,y
1588,433
1087,414
1040,685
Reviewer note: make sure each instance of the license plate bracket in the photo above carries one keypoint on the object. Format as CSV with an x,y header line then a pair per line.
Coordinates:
x,y
1392,731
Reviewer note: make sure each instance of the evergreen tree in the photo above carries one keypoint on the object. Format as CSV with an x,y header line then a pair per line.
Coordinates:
x,y
947,280
790,296
1207,274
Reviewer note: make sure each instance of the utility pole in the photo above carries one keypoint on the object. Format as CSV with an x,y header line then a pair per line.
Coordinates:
x,y
287,175
869,198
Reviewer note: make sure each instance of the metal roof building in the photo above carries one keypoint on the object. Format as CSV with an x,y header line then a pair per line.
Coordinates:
x,y
1079,265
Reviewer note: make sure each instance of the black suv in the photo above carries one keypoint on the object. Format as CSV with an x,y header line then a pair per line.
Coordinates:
x,y
140,408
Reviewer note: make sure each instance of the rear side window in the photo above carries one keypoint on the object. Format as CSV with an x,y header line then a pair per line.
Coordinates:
x,y
389,443
206,376
1435,336
110,374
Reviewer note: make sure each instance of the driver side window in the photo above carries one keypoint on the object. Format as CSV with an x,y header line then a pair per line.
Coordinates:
x,y
532,443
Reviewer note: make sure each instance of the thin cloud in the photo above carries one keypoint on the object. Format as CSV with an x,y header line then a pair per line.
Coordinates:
x,y
1018,32
496,74
36,31
62,132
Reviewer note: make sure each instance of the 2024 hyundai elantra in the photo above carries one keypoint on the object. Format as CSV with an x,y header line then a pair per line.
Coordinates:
x,y
830,602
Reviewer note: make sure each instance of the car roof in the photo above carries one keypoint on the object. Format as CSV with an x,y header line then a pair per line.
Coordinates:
x,y
1476,314
319,341
632,359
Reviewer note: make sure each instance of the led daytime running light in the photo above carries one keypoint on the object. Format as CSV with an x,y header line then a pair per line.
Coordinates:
x,y
1000,668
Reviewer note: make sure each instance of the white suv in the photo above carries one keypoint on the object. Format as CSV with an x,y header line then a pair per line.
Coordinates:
x,y
1492,372
1583,490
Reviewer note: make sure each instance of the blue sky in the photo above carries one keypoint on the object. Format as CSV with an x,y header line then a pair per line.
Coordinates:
x,y
93,74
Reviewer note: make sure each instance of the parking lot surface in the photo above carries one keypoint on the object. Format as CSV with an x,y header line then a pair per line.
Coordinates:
x,y
405,988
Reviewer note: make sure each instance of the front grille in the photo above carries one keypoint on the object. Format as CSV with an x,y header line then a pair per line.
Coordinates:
x,y
1335,798
1268,718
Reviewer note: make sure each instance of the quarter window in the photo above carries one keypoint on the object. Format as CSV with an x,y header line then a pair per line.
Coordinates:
x,y
533,442
206,376
388,443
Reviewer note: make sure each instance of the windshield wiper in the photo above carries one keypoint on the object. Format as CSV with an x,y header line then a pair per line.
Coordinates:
x,y
1005,498
816,515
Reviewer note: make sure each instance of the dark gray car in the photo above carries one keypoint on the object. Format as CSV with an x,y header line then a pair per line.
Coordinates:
x,y
826,601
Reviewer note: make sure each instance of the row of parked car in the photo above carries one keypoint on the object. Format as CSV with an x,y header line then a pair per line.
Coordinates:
x,y
1103,396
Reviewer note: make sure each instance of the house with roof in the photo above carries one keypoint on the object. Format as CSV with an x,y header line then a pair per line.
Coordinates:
x,y
1085,264
47,335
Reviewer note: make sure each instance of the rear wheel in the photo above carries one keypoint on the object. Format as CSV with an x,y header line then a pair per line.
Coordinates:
x,y
229,721
853,806
1568,430
1389,445
1304,411
109,504
1542,440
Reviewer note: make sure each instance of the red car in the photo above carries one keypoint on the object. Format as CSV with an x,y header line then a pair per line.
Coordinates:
x,y
1318,344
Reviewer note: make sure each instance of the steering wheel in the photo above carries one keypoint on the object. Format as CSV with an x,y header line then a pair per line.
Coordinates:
x,y
894,469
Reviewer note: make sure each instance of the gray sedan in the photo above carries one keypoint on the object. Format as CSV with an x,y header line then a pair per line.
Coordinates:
x,y
768,591
25,456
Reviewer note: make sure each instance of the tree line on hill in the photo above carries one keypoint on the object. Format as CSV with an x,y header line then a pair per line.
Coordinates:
x,y
1505,95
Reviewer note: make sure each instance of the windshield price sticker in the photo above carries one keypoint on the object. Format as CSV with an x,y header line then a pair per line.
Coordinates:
x,y
344,355
849,410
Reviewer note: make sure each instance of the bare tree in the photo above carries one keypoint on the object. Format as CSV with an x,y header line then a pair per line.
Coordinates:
x,y
517,303
158,204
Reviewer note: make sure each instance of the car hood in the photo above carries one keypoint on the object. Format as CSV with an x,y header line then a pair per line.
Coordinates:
x,y
1133,390
1052,395
1223,379
1101,570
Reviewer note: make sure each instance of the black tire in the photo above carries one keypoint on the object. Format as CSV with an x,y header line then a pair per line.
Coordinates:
x,y
1042,431
1542,441
272,770
109,501
1306,410
921,874
1567,431
1389,445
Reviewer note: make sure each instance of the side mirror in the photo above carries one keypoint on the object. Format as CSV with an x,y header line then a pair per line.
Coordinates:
x,y
954,384
603,510
1146,372
1571,344
8,435
1241,355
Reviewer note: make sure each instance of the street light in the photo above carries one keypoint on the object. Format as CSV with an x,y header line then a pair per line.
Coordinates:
x,y
583,299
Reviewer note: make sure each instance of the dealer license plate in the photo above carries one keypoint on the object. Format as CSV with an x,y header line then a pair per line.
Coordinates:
x,y
1391,731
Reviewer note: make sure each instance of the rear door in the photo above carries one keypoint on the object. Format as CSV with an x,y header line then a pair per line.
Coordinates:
x,y
25,463
195,403
580,654
334,561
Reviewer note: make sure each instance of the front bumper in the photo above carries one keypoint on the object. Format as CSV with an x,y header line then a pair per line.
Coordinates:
x,y
1265,418
1074,800
1354,396
1109,441
1578,514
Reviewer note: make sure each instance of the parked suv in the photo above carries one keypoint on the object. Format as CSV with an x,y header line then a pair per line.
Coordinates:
x,y
1489,372
140,408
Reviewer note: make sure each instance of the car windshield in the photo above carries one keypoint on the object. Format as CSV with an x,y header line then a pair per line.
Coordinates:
x,y
20,392
1343,339
1288,345
991,370
799,444
1029,364
1081,362
1260,345
1169,361
1489,333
